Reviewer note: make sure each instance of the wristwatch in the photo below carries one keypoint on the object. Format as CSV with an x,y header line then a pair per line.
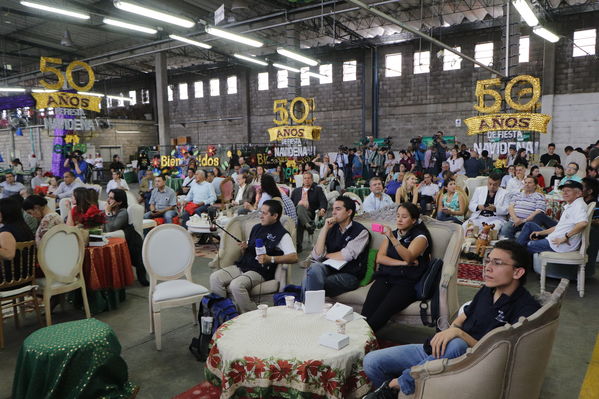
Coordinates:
x,y
272,259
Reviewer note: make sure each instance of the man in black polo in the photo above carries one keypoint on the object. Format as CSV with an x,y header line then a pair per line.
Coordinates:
x,y
502,300
308,200
550,158
343,240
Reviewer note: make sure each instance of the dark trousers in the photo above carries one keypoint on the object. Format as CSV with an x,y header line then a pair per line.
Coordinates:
x,y
386,298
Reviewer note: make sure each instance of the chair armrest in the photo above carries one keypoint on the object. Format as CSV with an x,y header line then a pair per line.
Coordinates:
x,y
282,275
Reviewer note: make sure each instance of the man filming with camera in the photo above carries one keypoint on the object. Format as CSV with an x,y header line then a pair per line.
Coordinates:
x,y
77,165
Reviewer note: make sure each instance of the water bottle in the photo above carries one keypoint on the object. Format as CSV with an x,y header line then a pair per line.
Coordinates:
x,y
260,248
556,185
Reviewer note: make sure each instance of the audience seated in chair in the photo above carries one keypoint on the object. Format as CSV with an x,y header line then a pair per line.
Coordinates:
x,y
245,195
37,207
342,239
427,192
488,204
201,195
251,270
145,187
308,199
502,300
527,206
402,259
451,203
377,199
162,202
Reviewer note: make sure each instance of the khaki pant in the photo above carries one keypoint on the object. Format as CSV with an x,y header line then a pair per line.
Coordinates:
x,y
240,284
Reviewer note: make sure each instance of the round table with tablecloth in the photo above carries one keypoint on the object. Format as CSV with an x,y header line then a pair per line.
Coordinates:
x,y
252,356
361,192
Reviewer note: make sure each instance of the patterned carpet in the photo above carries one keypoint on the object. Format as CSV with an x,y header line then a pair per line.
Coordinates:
x,y
470,274
206,250
205,390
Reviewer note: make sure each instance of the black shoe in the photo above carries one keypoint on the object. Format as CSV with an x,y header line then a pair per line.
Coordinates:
x,y
383,392
141,276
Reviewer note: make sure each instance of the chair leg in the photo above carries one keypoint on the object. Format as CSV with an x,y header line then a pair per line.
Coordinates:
x,y
15,311
85,303
1,328
36,306
195,314
151,315
581,276
158,330
543,275
47,309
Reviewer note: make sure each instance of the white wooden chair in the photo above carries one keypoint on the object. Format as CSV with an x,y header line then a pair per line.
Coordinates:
x,y
64,205
168,254
356,199
579,258
61,254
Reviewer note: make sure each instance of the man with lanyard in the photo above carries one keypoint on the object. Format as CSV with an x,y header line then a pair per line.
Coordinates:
x,y
488,204
377,199
308,200
163,201
503,299
251,269
343,240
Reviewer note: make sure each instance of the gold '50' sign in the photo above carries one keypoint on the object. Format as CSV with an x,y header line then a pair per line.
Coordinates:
x,y
44,61
284,112
483,88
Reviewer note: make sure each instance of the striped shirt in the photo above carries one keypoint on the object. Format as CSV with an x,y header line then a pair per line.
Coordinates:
x,y
525,204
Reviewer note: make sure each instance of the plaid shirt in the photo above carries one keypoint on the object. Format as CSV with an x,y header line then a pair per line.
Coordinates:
x,y
289,207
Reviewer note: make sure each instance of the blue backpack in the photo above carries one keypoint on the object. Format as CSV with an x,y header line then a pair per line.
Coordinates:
x,y
221,309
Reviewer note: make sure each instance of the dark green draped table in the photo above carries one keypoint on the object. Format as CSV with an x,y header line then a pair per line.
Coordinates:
x,y
78,359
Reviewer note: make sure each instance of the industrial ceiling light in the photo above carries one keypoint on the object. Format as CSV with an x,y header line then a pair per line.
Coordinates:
x,y
55,10
43,91
66,39
12,89
155,14
233,36
281,66
526,12
91,93
297,57
127,25
120,98
251,59
189,41
545,34
317,75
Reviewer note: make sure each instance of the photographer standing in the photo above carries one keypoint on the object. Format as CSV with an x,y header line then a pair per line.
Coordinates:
x,y
441,146
77,165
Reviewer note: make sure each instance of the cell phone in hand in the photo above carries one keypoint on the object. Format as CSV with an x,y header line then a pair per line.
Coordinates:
x,y
378,228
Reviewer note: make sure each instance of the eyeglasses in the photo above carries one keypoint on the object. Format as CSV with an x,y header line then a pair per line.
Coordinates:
x,y
496,263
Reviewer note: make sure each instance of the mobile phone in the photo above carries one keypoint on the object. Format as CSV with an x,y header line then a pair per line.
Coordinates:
x,y
378,228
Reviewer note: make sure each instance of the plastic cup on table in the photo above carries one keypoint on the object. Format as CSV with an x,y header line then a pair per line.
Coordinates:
x,y
289,301
340,326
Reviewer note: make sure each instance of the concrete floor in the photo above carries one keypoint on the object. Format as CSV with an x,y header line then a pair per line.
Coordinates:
x,y
173,370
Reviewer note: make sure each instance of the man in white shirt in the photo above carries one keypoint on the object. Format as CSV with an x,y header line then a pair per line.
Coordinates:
x,y
377,199
428,192
201,194
99,167
65,189
10,186
516,183
488,204
567,234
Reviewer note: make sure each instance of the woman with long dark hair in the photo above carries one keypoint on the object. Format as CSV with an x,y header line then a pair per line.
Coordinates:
x,y
401,260
84,213
270,190
558,175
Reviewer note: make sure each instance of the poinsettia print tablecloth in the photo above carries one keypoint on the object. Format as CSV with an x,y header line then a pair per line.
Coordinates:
x,y
279,356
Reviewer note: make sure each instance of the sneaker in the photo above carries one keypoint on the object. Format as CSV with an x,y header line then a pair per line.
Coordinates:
x,y
383,392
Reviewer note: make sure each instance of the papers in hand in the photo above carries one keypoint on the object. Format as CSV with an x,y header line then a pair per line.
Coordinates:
x,y
335,264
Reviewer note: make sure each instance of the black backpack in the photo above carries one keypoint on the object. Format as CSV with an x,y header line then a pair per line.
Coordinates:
x,y
428,288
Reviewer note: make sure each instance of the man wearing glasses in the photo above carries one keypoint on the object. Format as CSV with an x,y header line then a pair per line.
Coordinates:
x,y
503,299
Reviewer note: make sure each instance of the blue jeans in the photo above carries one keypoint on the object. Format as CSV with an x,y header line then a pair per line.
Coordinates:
x,y
543,220
445,217
198,211
533,246
321,277
168,216
509,230
385,364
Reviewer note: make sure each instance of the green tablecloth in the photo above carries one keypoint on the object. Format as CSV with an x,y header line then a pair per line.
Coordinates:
x,y
99,300
130,177
361,192
174,182
78,359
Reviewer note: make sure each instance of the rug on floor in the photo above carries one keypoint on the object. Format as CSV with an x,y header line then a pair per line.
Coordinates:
x,y
206,250
470,274
205,390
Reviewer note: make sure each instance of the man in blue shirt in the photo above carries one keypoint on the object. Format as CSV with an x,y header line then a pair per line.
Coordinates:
x,y
502,300
201,195
77,165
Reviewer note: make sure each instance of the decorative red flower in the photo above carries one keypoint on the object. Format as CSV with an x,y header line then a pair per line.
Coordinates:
x,y
93,217
256,364
328,381
308,369
211,150
214,361
280,370
237,373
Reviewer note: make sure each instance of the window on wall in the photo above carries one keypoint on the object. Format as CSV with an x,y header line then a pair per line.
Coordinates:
x,y
214,87
183,95
451,61
282,78
349,71
326,70
232,85
169,92
584,42
304,77
119,101
524,49
145,96
263,81
133,97
422,62
483,53
392,65
198,89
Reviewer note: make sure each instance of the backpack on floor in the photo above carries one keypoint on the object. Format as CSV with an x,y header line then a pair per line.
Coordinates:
x,y
220,310
428,288
278,299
